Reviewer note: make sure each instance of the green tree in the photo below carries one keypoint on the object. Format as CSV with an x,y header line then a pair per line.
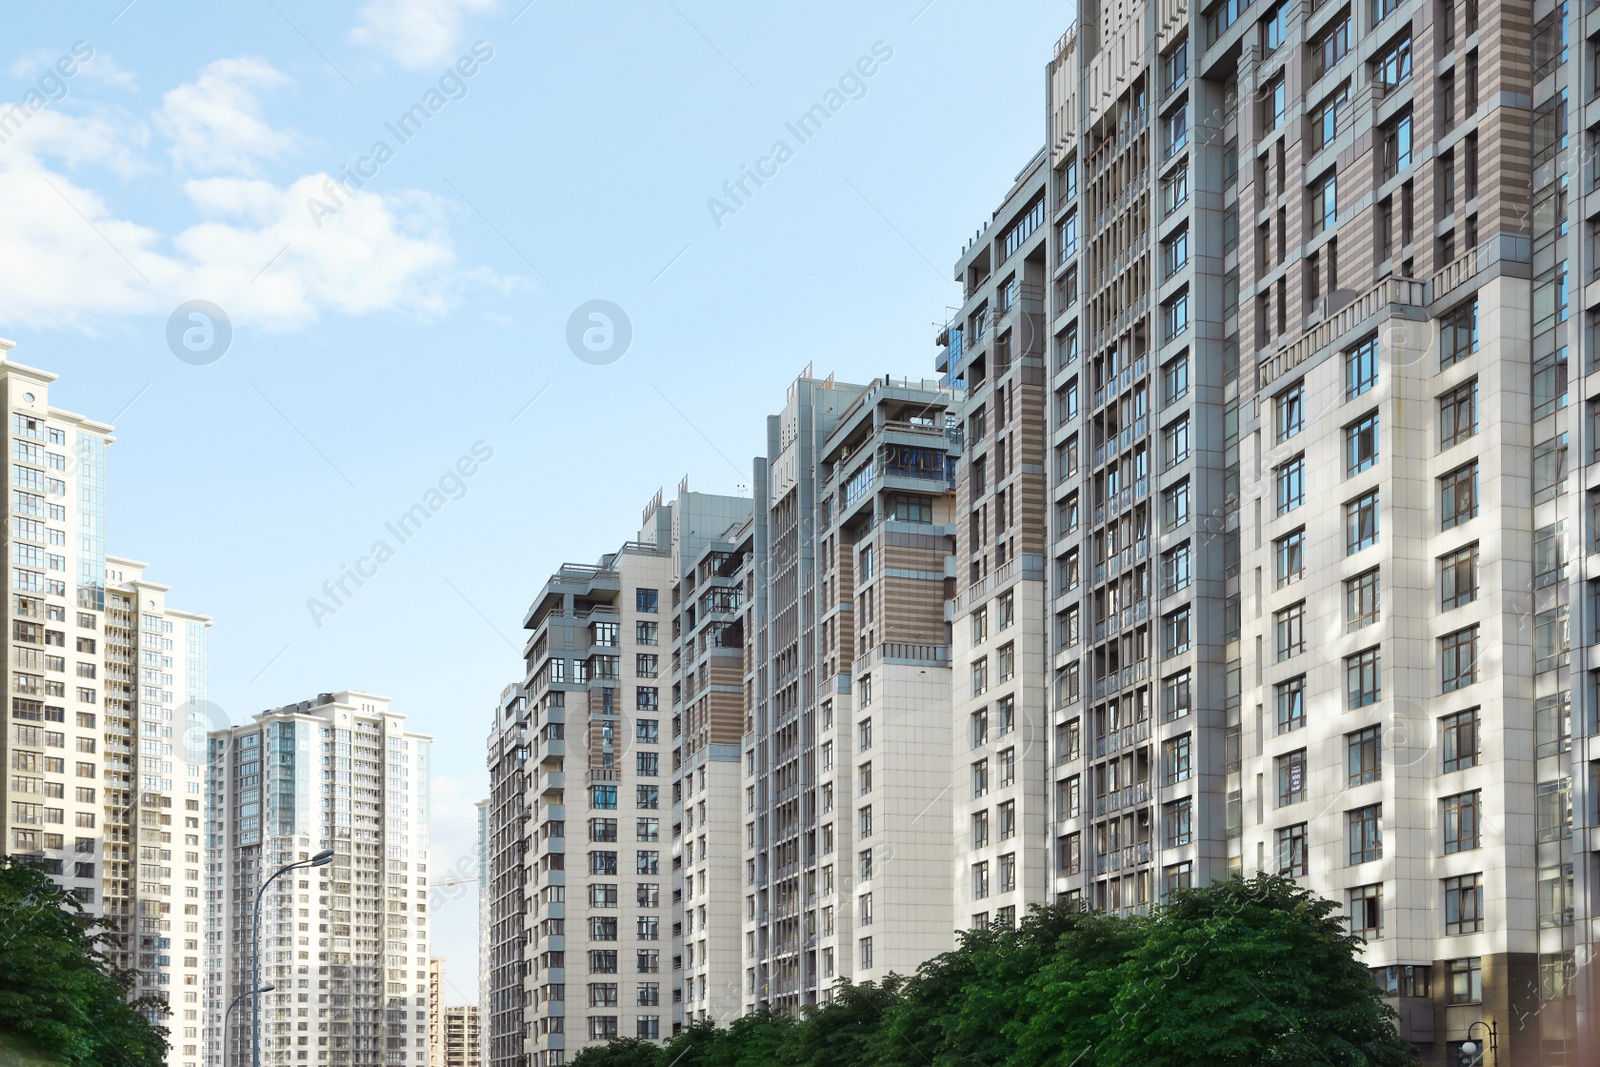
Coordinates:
x,y
624,1052
1065,1011
1244,973
962,1008
842,1031
59,995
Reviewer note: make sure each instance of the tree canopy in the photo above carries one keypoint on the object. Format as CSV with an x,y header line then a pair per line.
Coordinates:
x,y
1243,972
62,1002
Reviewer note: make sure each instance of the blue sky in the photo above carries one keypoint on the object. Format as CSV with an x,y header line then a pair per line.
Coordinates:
x,y
556,154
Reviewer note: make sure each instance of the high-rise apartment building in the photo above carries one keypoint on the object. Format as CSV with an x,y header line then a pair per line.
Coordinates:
x,y
1318,515
153,698
995,349
597,932
454,1039
847,742
345,945
460,1040
507,841
104,741
712,557
484,942
55,735
619,943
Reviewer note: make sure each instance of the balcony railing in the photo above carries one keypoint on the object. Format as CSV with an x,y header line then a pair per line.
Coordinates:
x,y
1390,292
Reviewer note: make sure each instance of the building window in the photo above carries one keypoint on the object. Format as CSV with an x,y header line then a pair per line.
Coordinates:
x,y
1361,522
1363,678
1365,911
1458,334
1289,629
1290,479
1458,740
1361,600
1177,696
1458,577
1364,753
1175,315
1463,904
1552,724
1177,567
1178,758
1290,412
1324,208
1392,68
1555,896
1458,414
1458,496
1558,974
1549,469
1464,981
1291,778
1404,980
1553,810
1551,639
1365,833
1361,445
1294,851
1458,659
1397,146
647,601
980,880
1177,819
1361,368
1290,700
1175,509
1289,553
1461,821
1176,630
1549,555
980,778
1175,380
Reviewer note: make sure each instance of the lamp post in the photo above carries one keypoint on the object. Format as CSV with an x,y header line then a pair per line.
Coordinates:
x,y
1472,1051
321,859
227,1016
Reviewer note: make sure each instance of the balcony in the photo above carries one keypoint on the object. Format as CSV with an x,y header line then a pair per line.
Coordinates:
x,y
1388,294
1116,681
1131,856
1119,382
1126,797
1117,740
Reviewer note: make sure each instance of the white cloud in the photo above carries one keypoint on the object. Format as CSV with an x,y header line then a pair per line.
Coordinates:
x,y
215,121
99,67
71,260
416,33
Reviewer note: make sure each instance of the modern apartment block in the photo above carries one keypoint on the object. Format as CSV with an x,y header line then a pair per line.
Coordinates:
x,y
847,744
507,840
1142,512
153,698
1319,522
460,1041
995,349
712,571
599,929
55,735
346,944
454,1039
104,744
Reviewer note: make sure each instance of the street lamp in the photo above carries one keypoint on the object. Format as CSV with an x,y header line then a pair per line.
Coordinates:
x,y
1472,1051
227,1016
321,859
